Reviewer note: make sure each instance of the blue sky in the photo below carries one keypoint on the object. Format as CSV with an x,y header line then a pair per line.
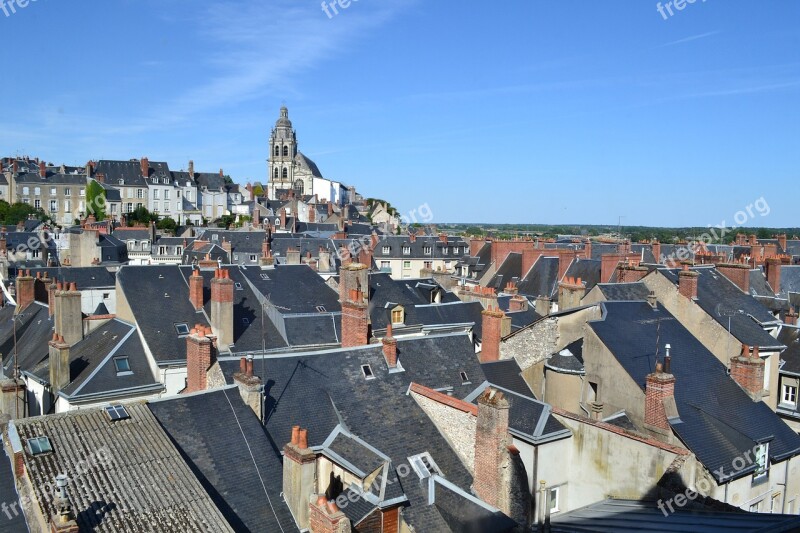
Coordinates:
x,y
517,111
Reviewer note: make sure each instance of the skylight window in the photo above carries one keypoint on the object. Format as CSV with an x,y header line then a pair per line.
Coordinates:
x,y
117,412
424,465
464,377
182,329
264,276
320,308
123,366
367,370
39,445
246,321
238,286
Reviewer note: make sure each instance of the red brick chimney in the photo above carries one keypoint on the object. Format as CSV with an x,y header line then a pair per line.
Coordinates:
x,y
355,326
330,208
283,217
687,282
782,243
660,387
191,168
491,444
753,240
326,517
656,248
196,289
15,167
517,303
772,265
608,264
312,213
42,170
738,273
748,371
492,327
570,293
587,249
529,258
390,347
25,290
221,173
791,317
145,167
222,307
199,358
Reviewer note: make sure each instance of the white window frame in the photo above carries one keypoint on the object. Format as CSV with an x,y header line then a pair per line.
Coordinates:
x,y
788,395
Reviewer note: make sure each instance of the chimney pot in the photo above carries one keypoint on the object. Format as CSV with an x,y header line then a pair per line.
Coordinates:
x,y
295,435
302,439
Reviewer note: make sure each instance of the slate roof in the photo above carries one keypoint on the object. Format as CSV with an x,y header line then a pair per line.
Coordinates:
x,y
306,164
542,279
528,418
247,336
506,374
321,390
463,513
226,447
790,336
718,420
624,291
719,298
631,515
569,360
510,270
95,277
34,331
294,289
790,280
395,243
129,171
93,374
14,520
119,460
587,269
158,297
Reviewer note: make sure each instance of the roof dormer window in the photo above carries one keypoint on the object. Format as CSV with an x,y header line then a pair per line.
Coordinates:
x,y
424,465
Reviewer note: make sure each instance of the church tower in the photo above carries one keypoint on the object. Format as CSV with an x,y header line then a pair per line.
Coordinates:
x,y
282,151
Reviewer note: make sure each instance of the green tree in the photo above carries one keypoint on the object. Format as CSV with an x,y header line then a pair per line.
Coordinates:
x,y
227,179
141,215
11,214
258,191
167,224
96,200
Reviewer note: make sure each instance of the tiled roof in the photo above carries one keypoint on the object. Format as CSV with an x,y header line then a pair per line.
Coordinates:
x,y
134,478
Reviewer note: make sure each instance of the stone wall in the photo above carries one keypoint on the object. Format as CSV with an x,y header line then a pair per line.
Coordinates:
x,y
457,427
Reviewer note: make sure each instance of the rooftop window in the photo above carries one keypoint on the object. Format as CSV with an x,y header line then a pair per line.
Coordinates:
x,y
39,445
123,365
182,329
367,371
424,465
117,412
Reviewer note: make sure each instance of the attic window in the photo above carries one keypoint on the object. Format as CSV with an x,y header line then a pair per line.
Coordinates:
x,y
264,276
215,237
117,412
320,308
123,366
464,377
238,286
182,329
367,370
398,315
39,446
424,465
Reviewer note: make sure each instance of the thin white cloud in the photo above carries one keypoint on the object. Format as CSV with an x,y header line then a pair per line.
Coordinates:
x,y
692,38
